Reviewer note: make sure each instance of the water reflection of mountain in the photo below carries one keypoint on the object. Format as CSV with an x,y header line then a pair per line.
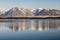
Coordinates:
x,y
37,24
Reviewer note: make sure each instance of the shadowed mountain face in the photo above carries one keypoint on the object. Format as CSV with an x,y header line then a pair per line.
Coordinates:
x,y
46,12
17,12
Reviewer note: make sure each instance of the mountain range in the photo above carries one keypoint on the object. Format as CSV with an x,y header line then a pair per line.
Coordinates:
x,y
17,12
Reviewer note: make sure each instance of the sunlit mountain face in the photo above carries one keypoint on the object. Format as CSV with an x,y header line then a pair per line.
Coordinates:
x,y
2,12
17,12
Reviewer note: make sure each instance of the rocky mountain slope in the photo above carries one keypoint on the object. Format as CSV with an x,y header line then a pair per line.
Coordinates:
x,y
17,12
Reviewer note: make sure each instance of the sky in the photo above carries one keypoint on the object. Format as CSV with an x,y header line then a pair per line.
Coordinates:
x,y
30,4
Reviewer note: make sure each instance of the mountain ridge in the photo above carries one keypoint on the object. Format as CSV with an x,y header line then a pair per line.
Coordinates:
x,y
17,12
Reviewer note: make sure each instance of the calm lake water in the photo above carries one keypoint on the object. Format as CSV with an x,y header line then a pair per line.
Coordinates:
x,y
30,29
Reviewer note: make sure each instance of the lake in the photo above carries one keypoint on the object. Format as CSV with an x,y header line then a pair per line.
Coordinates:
x,y
30,29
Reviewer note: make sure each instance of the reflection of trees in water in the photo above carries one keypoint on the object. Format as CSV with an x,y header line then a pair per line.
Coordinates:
x,y
37,23
53,24
14,26
43,24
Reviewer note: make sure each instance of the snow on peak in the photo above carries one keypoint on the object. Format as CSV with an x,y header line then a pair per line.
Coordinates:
x,y
47,9
40,8
32,10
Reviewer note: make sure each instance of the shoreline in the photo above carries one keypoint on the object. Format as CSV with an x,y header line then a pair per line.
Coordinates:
x,y
29,17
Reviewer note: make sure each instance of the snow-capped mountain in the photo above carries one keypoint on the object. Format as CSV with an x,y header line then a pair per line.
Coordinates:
x,y
46,12
17,12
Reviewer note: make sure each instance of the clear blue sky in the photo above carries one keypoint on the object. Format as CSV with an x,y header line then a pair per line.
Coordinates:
x,y
6,4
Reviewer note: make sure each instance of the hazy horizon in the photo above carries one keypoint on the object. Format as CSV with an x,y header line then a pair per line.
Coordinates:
x,y
29,4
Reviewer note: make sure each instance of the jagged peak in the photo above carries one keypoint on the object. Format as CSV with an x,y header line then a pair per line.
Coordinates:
x,y
47,9
17,8
14,8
